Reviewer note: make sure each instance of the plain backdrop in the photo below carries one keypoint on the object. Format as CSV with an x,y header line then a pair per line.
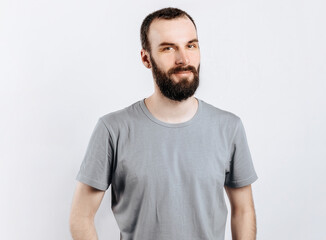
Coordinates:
x,y
65,63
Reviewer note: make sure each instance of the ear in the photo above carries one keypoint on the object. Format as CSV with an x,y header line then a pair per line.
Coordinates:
x,y
145,58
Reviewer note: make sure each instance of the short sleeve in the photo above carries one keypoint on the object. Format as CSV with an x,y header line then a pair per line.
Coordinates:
x,y
95,169
241,169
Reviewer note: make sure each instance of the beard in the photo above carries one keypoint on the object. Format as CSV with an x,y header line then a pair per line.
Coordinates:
x,y
177,91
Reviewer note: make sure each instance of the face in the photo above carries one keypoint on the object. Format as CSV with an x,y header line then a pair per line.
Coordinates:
x,y
184,88
175,57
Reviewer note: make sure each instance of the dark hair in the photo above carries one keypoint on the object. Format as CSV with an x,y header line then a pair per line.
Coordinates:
x,y
164,13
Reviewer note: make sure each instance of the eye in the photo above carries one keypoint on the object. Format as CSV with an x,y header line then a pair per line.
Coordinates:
x,y
192,46
167,48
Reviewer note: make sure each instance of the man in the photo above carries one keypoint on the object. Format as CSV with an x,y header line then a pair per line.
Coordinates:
x,y
168,157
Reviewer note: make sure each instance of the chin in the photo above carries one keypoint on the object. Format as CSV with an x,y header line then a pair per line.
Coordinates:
x,y
178,79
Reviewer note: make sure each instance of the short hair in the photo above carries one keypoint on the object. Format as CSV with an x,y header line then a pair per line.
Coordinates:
x,y
164,13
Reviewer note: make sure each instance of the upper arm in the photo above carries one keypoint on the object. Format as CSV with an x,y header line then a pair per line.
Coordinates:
x,y
241,198
86,201
240,170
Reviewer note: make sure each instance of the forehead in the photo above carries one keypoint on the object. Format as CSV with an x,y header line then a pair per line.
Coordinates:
x,y
178,31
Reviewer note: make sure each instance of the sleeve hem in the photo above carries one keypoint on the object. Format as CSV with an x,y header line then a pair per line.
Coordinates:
x,y
242,183
92,183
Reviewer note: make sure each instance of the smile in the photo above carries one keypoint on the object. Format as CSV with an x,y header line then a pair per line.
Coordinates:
x,y
183,72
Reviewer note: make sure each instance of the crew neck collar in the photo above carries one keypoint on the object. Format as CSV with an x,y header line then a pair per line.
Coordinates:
x,y
171,125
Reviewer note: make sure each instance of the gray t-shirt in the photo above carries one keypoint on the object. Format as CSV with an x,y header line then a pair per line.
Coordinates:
x,y
167,180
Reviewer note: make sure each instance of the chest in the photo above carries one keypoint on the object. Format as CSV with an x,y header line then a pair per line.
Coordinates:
x,y
149,157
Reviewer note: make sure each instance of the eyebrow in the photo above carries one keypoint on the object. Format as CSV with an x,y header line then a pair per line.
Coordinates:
x,y
172,44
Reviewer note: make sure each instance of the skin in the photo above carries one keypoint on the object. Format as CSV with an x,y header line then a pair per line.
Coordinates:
x,y
179,32
85,204
243,217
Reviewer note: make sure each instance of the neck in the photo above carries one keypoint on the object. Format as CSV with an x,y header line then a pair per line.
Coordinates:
x,y
171,111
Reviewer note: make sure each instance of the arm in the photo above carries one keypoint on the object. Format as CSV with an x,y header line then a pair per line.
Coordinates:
x,y
85,204
243,218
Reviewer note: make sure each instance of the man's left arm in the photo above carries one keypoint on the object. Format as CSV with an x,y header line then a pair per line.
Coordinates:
x,y
243,217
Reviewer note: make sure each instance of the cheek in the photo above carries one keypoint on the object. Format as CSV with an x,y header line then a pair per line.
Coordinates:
x,y
195,56
166,63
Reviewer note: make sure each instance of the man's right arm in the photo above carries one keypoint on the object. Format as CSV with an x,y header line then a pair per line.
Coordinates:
x,y
85,204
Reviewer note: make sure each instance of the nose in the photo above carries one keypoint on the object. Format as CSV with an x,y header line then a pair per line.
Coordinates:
x,y
182,58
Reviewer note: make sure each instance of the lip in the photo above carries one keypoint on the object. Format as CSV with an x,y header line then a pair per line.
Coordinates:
x,y
183,72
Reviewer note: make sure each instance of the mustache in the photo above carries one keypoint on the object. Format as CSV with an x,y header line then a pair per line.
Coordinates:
x,y
180,68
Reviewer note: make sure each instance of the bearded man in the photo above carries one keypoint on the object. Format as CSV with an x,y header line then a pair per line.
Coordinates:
x,y
168,157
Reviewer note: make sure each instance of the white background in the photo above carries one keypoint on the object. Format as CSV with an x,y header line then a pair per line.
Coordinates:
x,y
65,63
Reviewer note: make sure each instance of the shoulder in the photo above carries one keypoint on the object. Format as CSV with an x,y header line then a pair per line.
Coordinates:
x,y
122,117
224,117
